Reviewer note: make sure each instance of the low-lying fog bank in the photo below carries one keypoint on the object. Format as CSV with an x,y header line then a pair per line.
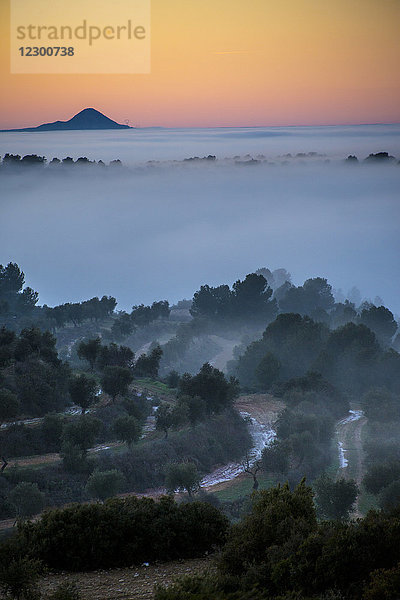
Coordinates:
x,y
159,231
134,146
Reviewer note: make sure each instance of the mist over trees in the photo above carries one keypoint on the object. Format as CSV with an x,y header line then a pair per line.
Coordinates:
x,y
15,161
291,340
100,383
313,353
248,299
350,356
97,401
350,346
313,296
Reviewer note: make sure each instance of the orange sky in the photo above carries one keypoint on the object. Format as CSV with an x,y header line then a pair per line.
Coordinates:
x,y
234,63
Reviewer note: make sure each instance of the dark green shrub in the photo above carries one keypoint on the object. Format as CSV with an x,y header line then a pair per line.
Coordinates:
x,y
104,484
380,475
124,532
27,499
384,584
389,497
18,578
335,499
257,545
182,477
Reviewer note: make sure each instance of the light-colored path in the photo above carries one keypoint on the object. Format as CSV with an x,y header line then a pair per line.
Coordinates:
x,y
262,410
349,432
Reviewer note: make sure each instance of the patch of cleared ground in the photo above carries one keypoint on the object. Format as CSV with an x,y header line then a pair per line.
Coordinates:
x,y
262,407
133,583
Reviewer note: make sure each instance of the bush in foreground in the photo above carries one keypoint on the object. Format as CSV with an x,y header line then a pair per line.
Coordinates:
x,y
123,532
18,578
279,551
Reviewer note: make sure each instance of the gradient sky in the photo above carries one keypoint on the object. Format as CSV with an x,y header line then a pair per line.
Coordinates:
x,y
234,63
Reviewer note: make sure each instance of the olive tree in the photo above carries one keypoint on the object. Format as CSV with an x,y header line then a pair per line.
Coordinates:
x,y
104,484
182,476
27,499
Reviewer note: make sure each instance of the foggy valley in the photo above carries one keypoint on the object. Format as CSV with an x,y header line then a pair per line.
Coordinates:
x,y
158,229
200,300
199,329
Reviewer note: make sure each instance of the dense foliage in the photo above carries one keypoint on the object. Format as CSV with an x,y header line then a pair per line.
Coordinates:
x,y
308,350
382,446
211,386
249,299
349,357
123,533
280,551
214,441
305,428
33,380
14,298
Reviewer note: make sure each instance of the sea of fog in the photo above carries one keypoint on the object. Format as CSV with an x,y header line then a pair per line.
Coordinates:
x,y
158,230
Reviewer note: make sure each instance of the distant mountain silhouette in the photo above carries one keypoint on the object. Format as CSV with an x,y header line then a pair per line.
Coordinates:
x,y
88,118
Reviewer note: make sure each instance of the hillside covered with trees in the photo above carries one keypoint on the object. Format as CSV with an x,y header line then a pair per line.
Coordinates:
x,y
96,402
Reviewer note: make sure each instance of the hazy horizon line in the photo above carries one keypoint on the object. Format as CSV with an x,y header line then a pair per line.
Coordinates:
x,y
32,127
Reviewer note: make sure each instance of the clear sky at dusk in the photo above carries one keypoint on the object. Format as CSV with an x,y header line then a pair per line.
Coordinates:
x,y
234,63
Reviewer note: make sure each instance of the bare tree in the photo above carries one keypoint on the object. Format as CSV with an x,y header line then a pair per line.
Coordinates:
x,y
252,469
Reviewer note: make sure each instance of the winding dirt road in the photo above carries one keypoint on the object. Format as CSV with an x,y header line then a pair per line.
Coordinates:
x,y
262,410
349,432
